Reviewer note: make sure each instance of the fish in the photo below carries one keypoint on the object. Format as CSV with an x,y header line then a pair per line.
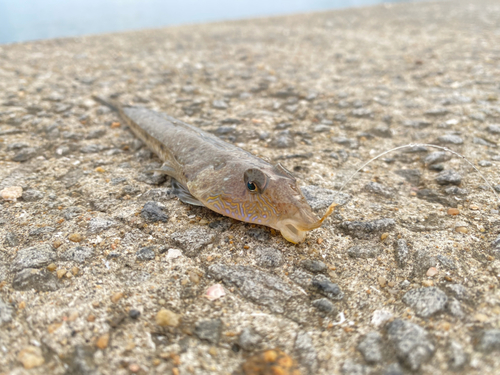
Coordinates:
x,y
206,171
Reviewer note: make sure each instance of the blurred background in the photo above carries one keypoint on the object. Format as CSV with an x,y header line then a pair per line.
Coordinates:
x,y
23,20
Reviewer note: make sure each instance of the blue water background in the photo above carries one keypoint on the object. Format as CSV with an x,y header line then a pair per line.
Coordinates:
x,y
23,20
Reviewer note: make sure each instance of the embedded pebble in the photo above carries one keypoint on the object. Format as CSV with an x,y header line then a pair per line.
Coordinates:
x,y
193,240
134,314
376,188
11,240
324,305
145,254
437,157
153,212
313,265
32,195
458,290
426,301
489,341
209,330
78,254
39,280
11,193
413,346
493,129
219,104
33,257
411,175
327,288
363,251
268,257
455,190
174,253
25,154
449,177
365,229
249,339
167,318
99,224
450,139
257,286
370,347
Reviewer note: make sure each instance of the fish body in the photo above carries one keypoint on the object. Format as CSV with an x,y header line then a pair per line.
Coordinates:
x,y
209,172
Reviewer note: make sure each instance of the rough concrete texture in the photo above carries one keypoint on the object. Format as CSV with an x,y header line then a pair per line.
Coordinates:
x,y
94,247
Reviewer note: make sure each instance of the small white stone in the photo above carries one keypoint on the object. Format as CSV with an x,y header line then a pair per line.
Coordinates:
x,y
380,317
173,253
215,292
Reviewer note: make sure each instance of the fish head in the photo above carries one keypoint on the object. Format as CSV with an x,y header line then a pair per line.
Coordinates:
x,y
266,195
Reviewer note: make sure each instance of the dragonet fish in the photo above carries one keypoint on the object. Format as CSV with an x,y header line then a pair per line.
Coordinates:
x,y
206,171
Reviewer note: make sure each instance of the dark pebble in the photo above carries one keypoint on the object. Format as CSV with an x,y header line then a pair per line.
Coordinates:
x,y
383,131
96,134
449,177
426,301
259,234
92,149
25,154
393,369
412,344
152,212
134,314
348,142
313,265
379,189
450,139
39,280
324,305
370,347
446,262
437,157
145,254
352,368
327,288
209,330
410,175
434,196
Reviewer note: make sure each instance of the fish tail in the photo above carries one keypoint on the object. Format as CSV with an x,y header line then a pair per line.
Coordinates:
x,y
115,106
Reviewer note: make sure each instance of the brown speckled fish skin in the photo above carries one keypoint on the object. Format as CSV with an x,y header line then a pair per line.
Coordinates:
x,y
214,172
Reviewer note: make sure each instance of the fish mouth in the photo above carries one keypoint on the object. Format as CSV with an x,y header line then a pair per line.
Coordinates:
x,y
291,232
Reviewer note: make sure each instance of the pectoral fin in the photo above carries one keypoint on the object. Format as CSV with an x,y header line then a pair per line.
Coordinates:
x,y
183,193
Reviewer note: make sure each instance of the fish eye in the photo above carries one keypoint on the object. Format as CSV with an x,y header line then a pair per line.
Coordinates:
x,y
255,180
251,186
